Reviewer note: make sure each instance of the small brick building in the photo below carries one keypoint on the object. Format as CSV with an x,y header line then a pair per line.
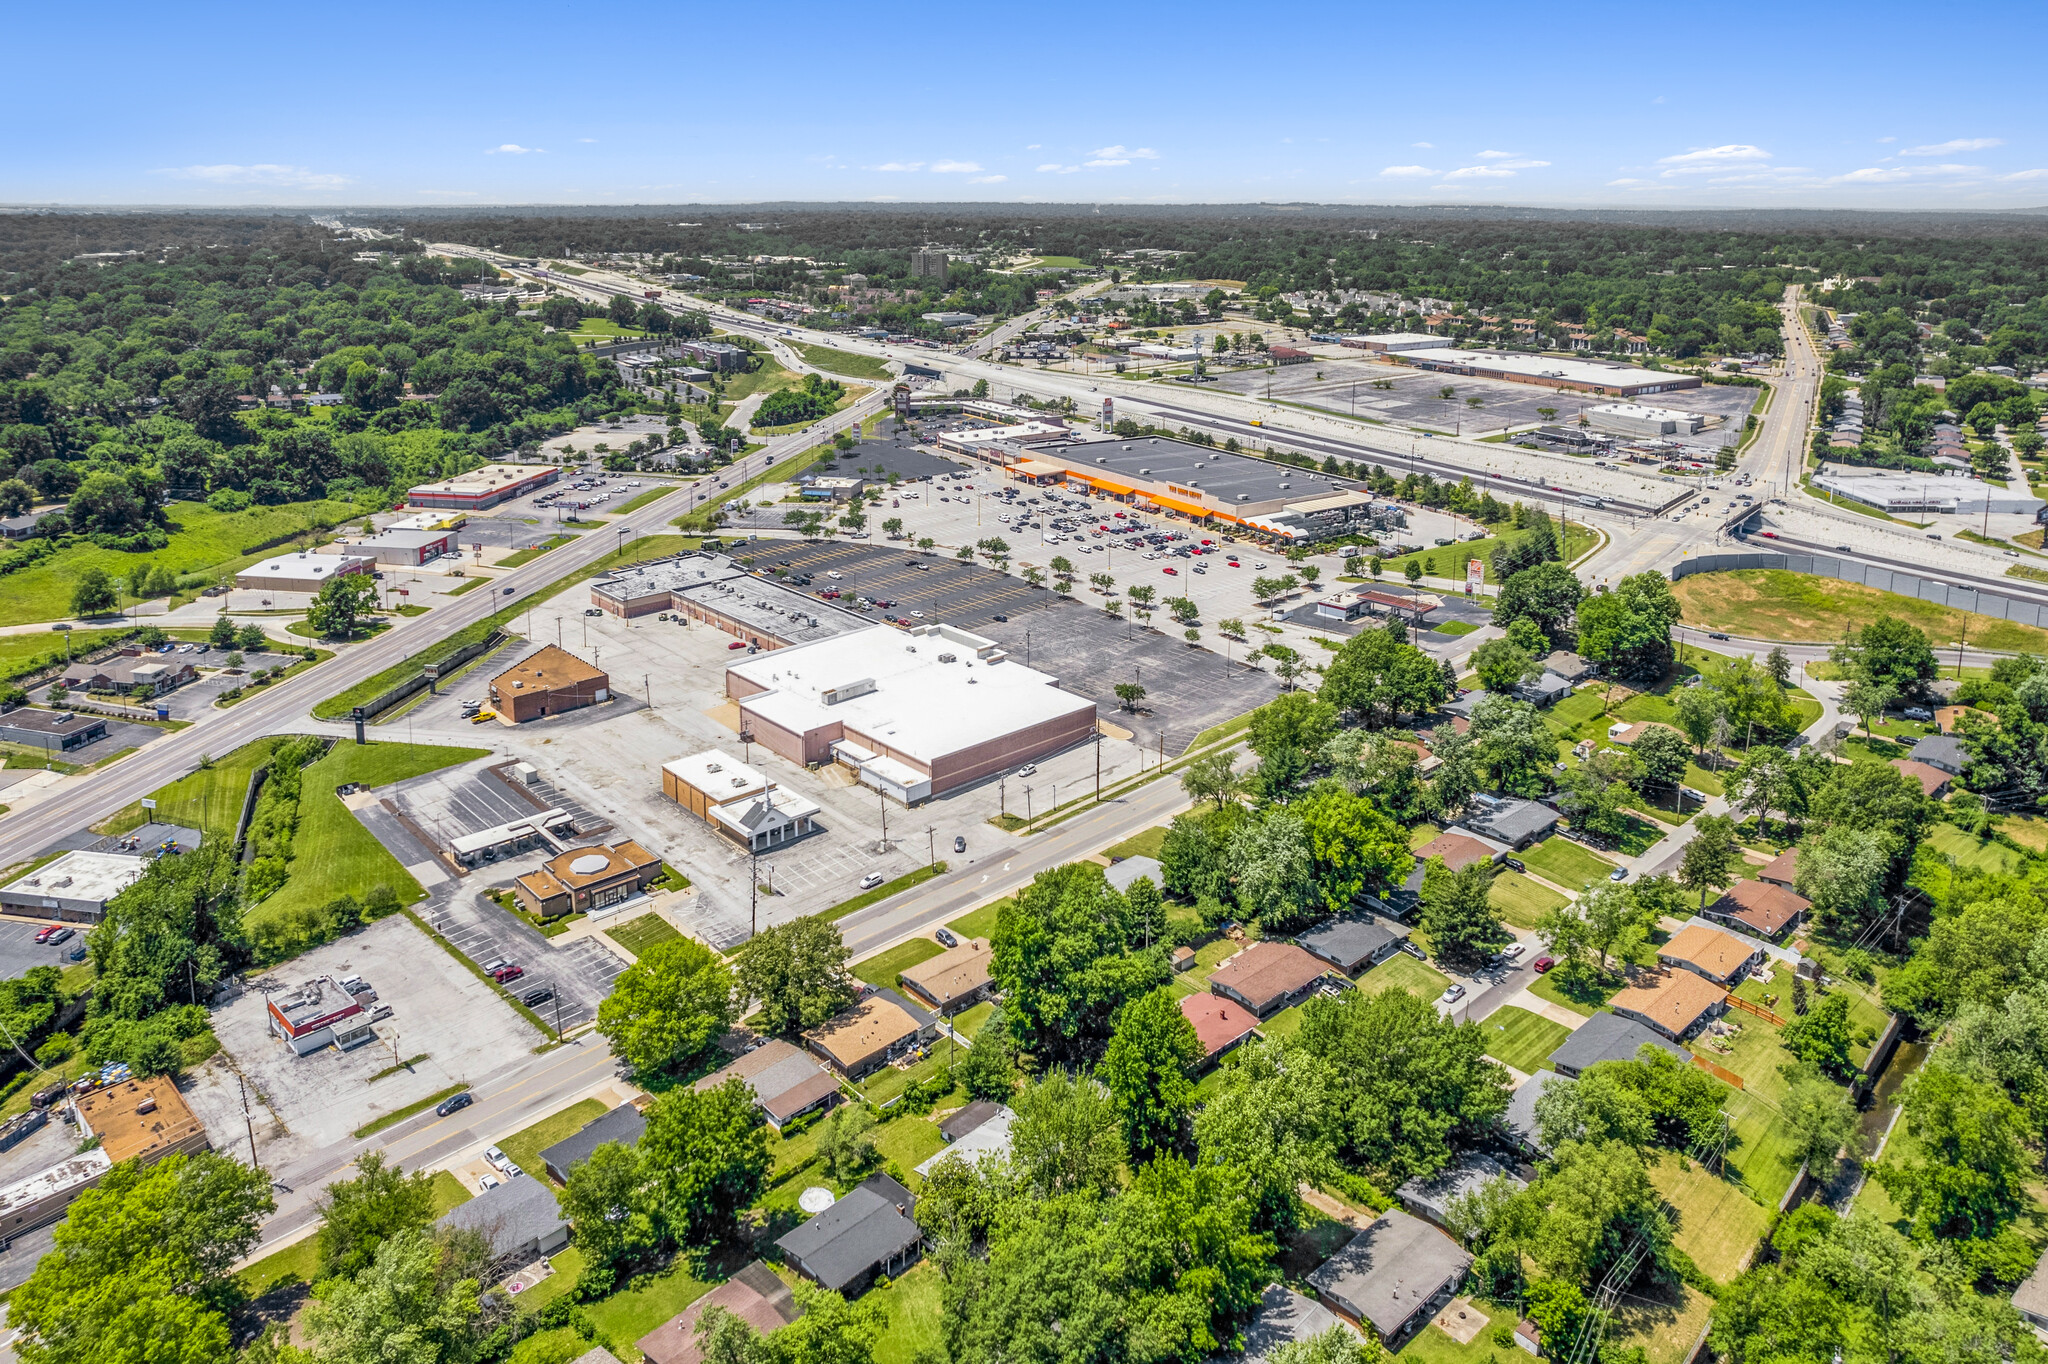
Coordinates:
x,y
547,683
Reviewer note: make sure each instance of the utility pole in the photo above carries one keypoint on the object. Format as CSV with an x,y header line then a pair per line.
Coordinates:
x,y
931,847
246,1119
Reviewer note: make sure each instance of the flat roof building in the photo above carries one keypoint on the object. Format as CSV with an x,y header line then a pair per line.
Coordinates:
x,y
914,713
712,588
318,1014
1389,343
304,571
737,800
45,1196
1585,376
1907,493
953,980
585,879
547,682
143,1120
485,487
57,731
1635,419
409,548
74,888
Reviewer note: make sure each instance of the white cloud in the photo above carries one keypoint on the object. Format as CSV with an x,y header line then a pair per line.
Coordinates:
x,y
1957,144
1495,156
1873,175
953,167
1120,155
1033,147
1887,139
900,166
1480,173
1619,183
1423,146
2026,175
1408,172
1522,163
1658,100
586,139
1108,161
1712,158
511,149
1057,169
986,179
292,177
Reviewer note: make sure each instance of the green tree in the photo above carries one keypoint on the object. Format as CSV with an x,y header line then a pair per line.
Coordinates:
x,y
1068,1136
668,1006
1842,870
343,602
1546,593
1821,1037
1213,777
139,1269
222,635
846,1142
1274,864
94,593
1585,1208
1457,912
1709,859
1356,847
989,1070
1629,628
1289,734
1513,748
1128,695
1146,1068
606,1201
16,497
1271,1116
357,1215
1062,959
1887,652
798,972
1338,1345
1868,701
1965,1176
1661,755
708,1151
251,639
396,1311
1819,1117
1699,709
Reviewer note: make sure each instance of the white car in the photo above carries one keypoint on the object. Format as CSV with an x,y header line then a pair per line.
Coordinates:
x,y
1026,770
1452,993
832,574
1512,951
871,880
498,1159
488,1183
1260,564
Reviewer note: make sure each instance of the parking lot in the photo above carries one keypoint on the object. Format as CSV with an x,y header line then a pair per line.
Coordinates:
x,y
188,702
439,1009
19,950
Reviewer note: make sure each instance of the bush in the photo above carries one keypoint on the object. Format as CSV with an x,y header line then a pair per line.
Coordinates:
x,y
229,500
57,1050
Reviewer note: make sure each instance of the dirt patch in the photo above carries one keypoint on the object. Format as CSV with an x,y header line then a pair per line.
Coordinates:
x,y
1801,608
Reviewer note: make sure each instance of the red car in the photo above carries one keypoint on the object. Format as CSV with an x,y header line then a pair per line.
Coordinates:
x,y
737,644
47,930
505,975
1770,535
1174,571
1543,964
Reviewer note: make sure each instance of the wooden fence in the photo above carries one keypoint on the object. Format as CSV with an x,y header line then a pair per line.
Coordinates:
x,y
1759,1010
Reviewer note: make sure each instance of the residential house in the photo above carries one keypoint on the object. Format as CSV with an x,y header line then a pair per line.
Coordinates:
x,y
520,1219
1220,1024
1431,1197
1267,977
1509,819
1933,781
1944,752
1711,954
977,1132
1624,735
1351,945
955,979
755,1295
1568,665
2031,1297
1761,907
1674,1002
1546,689
869,1035
1392,1276
1284,1318
1608,1037
785,1081
1125,873
1783,870
1519,1122
868,1233
623,1125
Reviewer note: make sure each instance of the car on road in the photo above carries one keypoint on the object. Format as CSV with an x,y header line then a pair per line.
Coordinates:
x,y
1026,770
1542,964
1618,874
1001,617
1452,993
1512,951
871,880
510,590
1717,634
454,1103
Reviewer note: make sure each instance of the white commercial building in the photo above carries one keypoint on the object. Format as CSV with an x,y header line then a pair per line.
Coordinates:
x,y
1907,493
1634,419
1390,342
737,800
1545,371
914,713
303,571
76,886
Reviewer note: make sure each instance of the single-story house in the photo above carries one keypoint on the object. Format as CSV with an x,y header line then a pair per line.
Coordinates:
x,y
1460,850
1431,1197
1624,734
1760,907
1545,690
1709,953
1608,1037
53,731
786,1082
2031,1297
1267,977
1124,874
1219,1024
623,1125
1464,703
1519,1122
1351,945
1783,870
1285,1317
980,1130
1567,665
869,1035
867,1233
1510,819
1943,751
1392,1276
1933,781
520,1218
955,979
1675,1003
755,1295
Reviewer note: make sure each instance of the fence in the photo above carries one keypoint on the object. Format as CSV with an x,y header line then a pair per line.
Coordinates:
x,y
1954,597
1759,1010
418,681
1726,1077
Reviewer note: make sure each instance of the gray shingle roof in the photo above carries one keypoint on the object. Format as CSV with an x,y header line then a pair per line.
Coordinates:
x,y
867,1227
623,1125
1348,943
519,1211
1432,1196
1609,1037
1390,1271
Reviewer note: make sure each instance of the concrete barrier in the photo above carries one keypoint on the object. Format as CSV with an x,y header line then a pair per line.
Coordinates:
x,y
1905,584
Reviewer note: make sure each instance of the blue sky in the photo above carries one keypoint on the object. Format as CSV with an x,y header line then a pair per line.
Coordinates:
x,y
1782,105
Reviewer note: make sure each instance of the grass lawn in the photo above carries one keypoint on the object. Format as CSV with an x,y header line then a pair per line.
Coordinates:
x,y
1754,1053
1522,902
449,1192
888,1082
969,1022
332,853
1403,972
637,935
297,1262
202,540
524,1146
979,923
210,800
1421,833
605,327
1585,994
631,1313
1456,627
1059,262
21,653
845,362
1146,843
1775,604
882,892
912,1303
1981,855
1761,1158
1718,1224
1522,1039
907,1141
881,968
1582,715
1448,561
1565,863
520,556
2029,831
1431,1346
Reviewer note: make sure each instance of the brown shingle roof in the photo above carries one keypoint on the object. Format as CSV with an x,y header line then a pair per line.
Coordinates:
x,y
1761,905
1716,953
861,1033
953,973
1267,972
1457,851
1672,999
1783,869
1218,1023
1931,779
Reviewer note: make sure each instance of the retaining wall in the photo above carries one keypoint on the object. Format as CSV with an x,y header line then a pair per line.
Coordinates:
x,y
1871,575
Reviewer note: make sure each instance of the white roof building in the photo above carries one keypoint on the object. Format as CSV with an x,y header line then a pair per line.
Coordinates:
x,y
76,886
913,712
1390,342
1635,419
1928,493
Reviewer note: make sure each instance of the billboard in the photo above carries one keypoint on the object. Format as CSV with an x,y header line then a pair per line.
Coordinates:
x,y
1475,574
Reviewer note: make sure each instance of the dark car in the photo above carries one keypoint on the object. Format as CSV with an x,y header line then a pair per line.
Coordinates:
x,y
538,996
510,590
454,1103
1000,616
1717,634
959,843
77,953
1513,864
